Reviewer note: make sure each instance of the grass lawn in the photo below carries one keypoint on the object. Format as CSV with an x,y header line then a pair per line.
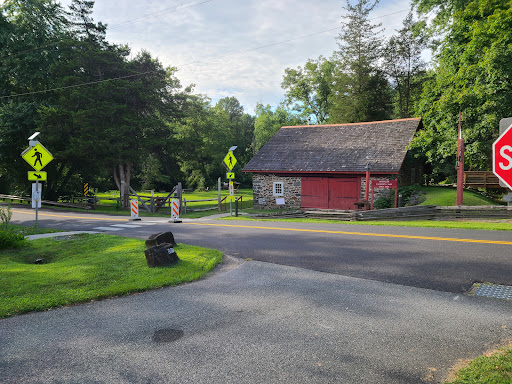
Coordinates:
x,y
447,196
492,368
85,267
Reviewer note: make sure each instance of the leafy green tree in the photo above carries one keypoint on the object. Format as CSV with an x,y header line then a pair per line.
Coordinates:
x,y
308,89
29,32
361,92
404,65
269,121
472,75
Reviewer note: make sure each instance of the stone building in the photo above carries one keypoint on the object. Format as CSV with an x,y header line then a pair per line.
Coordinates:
x,y
324,166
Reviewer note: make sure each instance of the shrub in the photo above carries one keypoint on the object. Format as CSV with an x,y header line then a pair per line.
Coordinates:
x,y
10,240
384,202
5,216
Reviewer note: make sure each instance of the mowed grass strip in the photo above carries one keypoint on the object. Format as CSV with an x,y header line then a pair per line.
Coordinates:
x,y
86,267
495,225
494,367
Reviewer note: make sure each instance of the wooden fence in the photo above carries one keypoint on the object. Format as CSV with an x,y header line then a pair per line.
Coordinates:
x,y
418,212
481,179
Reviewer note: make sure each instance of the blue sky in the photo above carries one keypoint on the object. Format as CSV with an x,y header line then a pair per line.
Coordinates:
x,y
215,44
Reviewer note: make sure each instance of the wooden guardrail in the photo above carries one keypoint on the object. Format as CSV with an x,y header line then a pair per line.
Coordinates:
x,y
45,202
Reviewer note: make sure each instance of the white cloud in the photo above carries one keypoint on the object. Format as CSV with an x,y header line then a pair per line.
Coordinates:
x,y
201,40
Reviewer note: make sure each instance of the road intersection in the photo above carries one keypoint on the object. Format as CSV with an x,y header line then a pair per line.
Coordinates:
x,y
324,306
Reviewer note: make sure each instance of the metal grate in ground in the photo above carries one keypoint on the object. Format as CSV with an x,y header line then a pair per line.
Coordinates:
x,y
495,291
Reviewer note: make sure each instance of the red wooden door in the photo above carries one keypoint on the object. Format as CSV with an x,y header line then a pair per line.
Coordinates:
x,y
343,193
315,192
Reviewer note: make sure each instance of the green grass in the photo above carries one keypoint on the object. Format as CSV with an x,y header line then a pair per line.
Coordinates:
x,y
489,226
25,231
492,368
85,267
447,196
109,206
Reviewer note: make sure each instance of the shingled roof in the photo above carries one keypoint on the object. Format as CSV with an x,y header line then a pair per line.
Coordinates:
x,y
337,147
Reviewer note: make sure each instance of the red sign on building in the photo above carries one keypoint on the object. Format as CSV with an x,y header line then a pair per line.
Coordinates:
x,y
388,184
502,157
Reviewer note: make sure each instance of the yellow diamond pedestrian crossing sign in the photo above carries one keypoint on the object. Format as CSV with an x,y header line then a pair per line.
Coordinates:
x,y
37,156
230,160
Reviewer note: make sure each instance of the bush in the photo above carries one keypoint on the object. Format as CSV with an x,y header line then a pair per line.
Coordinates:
x,y
5,216
10,240
384,202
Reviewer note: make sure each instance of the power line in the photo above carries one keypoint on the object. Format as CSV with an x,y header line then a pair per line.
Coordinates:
x,y
122,24
159,13
190,63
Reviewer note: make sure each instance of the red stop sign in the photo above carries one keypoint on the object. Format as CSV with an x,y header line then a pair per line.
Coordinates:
x,y
502,157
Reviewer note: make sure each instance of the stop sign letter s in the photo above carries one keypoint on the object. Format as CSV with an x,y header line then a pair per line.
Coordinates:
x,y
506,157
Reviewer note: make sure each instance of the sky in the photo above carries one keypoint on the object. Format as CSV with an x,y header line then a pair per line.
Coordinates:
x,y
237,48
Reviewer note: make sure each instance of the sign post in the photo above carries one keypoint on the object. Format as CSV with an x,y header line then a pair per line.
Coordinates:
x,y
230,161
38,157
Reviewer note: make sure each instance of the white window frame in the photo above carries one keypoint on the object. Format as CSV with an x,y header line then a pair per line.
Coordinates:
x,y
278,188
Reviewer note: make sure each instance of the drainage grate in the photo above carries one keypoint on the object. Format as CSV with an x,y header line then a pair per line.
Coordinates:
x,y
496,291
167,335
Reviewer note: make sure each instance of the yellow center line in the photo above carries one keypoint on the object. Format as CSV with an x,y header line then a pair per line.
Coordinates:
x,y
72,217
361,234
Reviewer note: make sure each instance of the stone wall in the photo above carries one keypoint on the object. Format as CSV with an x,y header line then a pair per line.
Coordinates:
x,y
263,191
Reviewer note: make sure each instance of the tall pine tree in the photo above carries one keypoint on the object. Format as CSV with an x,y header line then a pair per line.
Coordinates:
x,y
361,91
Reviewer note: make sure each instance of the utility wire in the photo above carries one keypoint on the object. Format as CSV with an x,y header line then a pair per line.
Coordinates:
x,y
190,63
159,13
122,24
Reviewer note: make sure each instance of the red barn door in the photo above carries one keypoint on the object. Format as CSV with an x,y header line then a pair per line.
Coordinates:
x,y
343,193
330,193
315,192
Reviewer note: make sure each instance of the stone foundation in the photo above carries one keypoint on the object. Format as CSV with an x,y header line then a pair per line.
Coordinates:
x,y
263,191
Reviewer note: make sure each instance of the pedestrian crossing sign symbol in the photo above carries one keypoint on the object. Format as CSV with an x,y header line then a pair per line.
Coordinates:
x,y
37,156
230,160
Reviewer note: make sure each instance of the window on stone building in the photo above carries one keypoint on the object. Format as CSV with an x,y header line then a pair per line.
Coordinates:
x,y
278,188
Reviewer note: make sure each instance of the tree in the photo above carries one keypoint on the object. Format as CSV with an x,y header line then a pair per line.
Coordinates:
x,y
404,65
309,89
29,34
114,123
361,92
269,121
472,75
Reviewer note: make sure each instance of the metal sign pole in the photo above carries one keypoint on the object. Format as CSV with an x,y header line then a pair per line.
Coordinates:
x,y
37,200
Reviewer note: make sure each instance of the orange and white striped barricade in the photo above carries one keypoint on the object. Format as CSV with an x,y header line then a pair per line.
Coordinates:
x,y
134,210
175,211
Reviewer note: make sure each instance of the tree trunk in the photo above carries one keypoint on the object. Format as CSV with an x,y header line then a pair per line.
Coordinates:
x,y
123,182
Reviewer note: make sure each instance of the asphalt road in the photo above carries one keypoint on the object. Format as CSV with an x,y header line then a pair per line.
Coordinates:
x,y
284,320
440,259
257,323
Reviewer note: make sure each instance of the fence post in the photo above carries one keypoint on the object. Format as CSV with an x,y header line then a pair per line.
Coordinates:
x,y
219,185
179,190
